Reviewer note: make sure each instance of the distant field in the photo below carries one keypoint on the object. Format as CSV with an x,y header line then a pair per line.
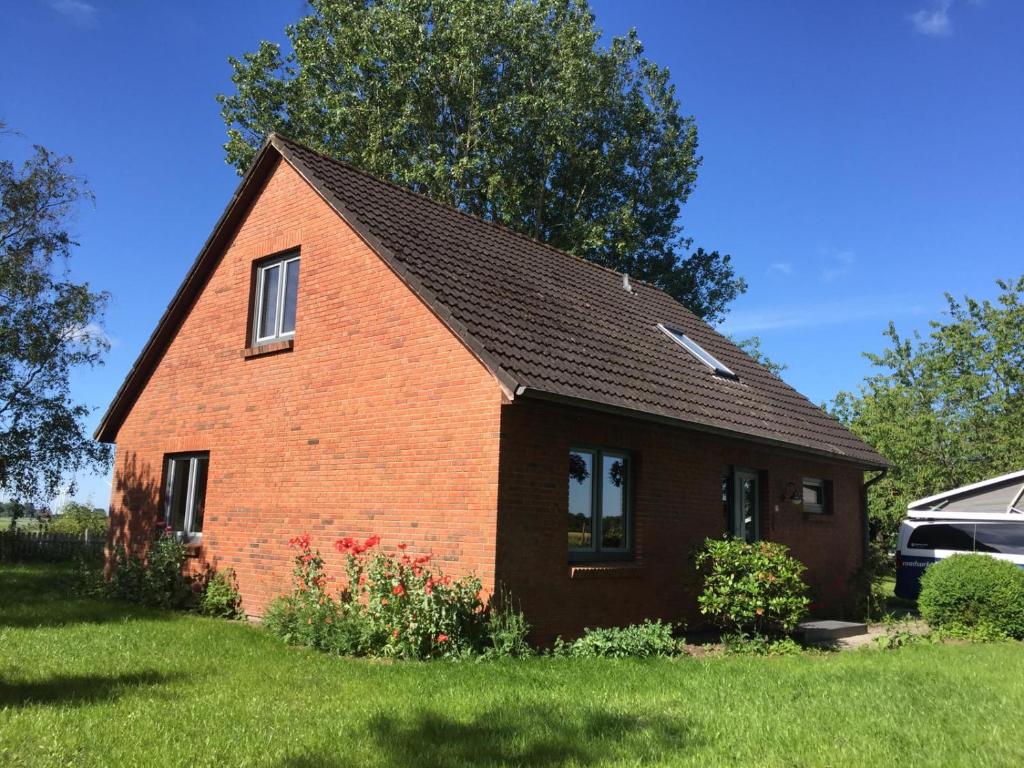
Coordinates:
x,y
24,524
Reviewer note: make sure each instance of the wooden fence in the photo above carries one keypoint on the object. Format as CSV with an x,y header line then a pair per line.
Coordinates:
x,y
50,547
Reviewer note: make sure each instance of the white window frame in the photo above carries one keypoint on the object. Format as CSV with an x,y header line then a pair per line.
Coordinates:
x,y
815,509
698,351
261,271
171,463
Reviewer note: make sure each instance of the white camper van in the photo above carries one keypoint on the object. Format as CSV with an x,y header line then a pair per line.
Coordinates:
x,y
986,518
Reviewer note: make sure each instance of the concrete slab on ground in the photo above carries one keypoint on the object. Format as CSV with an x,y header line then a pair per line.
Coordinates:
x,y
830,631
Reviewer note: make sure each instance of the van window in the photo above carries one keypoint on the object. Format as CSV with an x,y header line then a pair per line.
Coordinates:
x,y
958,537
1004,538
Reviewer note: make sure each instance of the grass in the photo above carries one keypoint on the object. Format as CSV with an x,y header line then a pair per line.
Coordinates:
x,y
91,683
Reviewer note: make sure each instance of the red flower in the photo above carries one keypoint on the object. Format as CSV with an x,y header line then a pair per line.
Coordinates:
x,y
301,541
428,589
442,638
395,633
398,590
402,546
345,545
373,541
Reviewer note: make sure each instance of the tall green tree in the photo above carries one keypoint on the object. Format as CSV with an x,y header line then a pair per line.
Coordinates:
x,y
48,328
508,109
946,409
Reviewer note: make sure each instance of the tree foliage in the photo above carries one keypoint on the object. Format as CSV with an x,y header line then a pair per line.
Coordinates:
x,y
507,109
48,327
946,409
77,518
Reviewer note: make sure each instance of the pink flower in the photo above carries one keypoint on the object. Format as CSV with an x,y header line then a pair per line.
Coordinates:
x,y
442,638
398,590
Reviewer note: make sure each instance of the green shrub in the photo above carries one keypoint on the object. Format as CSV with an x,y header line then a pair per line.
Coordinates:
x,y
507,629
751,589
391,605
408,610
759,645
974,595
156,579
221,597
75,518
651,638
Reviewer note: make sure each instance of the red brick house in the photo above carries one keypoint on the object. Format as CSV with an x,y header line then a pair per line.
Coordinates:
x,y
346,357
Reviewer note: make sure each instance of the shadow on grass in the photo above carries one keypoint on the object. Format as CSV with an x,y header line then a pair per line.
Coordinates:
x,y
524,735
77,689
42,595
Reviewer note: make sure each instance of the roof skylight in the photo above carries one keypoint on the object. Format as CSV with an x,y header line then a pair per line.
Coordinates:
x,y
698,351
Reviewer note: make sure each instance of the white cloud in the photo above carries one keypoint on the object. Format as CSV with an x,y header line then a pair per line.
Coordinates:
x,y
780,268
840,264
78,11
830,313
933,21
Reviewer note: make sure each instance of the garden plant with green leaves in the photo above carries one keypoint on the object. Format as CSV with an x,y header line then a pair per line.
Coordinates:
x,y
946,409
511,110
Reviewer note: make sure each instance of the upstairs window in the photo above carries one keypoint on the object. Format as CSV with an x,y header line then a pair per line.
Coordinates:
x,y
277,287
599,504
185,493
698,351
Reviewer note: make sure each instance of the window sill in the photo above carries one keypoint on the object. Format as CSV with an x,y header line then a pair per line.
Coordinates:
x,y
629,570
269,348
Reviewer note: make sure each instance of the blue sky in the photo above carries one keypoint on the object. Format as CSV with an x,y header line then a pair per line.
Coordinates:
x,y
860,159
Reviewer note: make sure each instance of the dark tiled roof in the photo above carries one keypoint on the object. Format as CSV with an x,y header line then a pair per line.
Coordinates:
x,y
555,324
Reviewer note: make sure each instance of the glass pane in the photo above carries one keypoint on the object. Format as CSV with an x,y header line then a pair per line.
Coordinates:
x,y
814,494
199,495
177,493
268,303
581,494
1005,538
291,290
613,502
748,507
958,537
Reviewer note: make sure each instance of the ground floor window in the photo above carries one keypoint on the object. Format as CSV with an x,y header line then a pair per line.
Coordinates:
x,y
741,496
816,496
185,493
599,503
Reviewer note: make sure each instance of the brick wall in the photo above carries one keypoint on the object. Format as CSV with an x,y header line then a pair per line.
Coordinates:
x,y
677,498
377,421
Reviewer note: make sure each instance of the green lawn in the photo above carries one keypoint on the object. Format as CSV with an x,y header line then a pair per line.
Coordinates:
x,y
91,683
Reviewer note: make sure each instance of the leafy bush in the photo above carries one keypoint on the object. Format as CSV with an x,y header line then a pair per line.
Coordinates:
x,y
156,579
651,638
75,518
752,589
974,595
309,615
220,596
507,629
391,605
759,645
410,612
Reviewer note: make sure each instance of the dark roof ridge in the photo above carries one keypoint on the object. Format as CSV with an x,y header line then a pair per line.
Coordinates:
x,y
502,228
